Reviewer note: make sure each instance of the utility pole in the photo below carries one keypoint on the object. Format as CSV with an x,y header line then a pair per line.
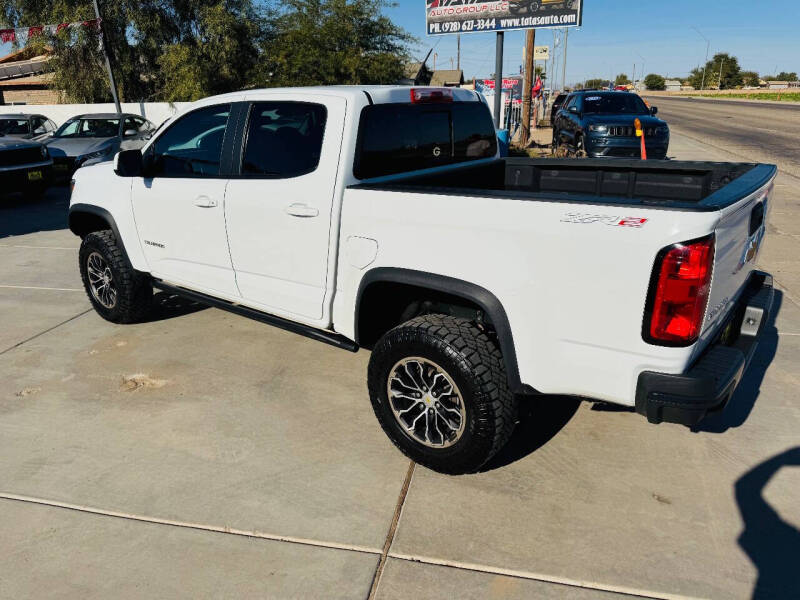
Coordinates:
x,y
708,45
111,81
498,79
564,70
530,68
720,73
458,40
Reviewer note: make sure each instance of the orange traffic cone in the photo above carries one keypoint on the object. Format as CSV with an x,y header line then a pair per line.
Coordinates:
x,y
640,134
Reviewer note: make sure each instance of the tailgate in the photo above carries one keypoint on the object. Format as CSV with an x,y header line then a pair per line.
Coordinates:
x,y
739,237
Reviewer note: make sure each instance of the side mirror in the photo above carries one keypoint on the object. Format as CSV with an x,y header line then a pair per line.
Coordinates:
x,y
653,110
573,110
130,133
129,163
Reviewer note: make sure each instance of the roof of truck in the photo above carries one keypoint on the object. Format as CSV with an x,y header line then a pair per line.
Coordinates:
x,y
379,94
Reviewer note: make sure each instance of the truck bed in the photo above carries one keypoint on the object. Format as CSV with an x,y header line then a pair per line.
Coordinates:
x,y
679,185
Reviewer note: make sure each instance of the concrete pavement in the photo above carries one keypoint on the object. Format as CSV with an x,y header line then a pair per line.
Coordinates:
x,y
205,455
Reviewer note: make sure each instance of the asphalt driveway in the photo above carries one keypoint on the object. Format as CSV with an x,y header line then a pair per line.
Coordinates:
x,y
204,455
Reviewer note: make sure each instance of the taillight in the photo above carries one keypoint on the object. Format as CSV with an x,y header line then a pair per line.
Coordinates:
x,y
679,293
431,95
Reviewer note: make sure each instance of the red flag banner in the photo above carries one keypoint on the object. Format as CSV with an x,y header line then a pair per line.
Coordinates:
x,y
21,35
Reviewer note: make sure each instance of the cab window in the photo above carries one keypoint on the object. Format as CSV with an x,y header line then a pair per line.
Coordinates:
x,y
192,146
284,139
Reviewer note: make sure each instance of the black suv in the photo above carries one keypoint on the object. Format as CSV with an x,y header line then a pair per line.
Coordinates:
x,y
601,124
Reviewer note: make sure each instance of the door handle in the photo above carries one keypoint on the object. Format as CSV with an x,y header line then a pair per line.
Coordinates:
x,y
302,210
205,202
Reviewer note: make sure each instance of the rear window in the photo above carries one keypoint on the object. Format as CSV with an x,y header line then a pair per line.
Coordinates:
x,y
614,103
398,138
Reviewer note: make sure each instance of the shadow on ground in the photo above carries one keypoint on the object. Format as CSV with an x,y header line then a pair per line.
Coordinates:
x,y
19,216
171,306
772,544
541,418
741,404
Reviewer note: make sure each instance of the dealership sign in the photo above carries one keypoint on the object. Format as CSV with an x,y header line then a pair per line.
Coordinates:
x,y
511,85
475,16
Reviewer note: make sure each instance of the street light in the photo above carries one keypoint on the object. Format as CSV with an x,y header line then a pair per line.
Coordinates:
x,y
641,77
708,44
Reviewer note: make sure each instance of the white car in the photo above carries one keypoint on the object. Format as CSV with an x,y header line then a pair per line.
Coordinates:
x,y
382,217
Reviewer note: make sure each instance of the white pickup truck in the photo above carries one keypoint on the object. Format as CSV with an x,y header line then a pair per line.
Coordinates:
x,y
383,218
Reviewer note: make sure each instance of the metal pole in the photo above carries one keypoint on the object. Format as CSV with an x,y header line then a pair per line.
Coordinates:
x,y
708,45
459,52
564,70
111,81
703,83
498,79
527,85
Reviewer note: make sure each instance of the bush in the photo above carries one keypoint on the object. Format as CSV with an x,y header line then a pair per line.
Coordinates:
x,y
655,82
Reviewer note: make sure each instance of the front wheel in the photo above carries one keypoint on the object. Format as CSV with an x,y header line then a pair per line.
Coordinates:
x,y
117,291
438,388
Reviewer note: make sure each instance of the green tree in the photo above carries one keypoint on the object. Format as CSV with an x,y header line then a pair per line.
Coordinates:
x,y
750,78
596,83
784,76
220,55
212,45
724,62
655,82
622,79
323,42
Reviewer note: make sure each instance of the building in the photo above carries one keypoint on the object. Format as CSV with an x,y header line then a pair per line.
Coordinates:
x,y
416,73
454,78
782,85
25,78
672,85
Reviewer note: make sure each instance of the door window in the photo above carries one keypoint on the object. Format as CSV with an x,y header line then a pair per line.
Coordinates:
x,y
192,146
284,139
37,124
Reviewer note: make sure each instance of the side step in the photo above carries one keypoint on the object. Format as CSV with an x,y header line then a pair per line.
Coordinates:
x,y
334,339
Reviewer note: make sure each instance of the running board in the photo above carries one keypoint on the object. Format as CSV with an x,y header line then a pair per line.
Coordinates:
x,y
334,339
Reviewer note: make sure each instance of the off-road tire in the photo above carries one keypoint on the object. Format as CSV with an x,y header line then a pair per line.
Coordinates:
x,y
134,289
473,360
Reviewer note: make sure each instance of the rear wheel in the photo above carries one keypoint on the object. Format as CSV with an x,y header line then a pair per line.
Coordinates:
x,y
439,390
117,291
580,149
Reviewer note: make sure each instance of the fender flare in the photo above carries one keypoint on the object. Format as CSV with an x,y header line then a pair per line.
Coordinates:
x,y
482,297
97,211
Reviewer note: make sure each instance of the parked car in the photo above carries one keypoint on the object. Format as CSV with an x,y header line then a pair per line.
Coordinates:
x,y
27,127
557,104
25,166
602,124
92,138
371,217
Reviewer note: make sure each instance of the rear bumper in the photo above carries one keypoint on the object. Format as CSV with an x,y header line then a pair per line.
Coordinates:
x,y
710,382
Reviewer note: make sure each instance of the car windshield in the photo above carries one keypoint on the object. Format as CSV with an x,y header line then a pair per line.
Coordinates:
x,y
89,128
14,126
614,104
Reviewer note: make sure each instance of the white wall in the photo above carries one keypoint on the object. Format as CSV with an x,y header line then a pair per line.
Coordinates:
x,y
157,112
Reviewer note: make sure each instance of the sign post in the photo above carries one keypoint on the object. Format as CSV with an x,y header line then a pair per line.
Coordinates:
x,y
498,79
